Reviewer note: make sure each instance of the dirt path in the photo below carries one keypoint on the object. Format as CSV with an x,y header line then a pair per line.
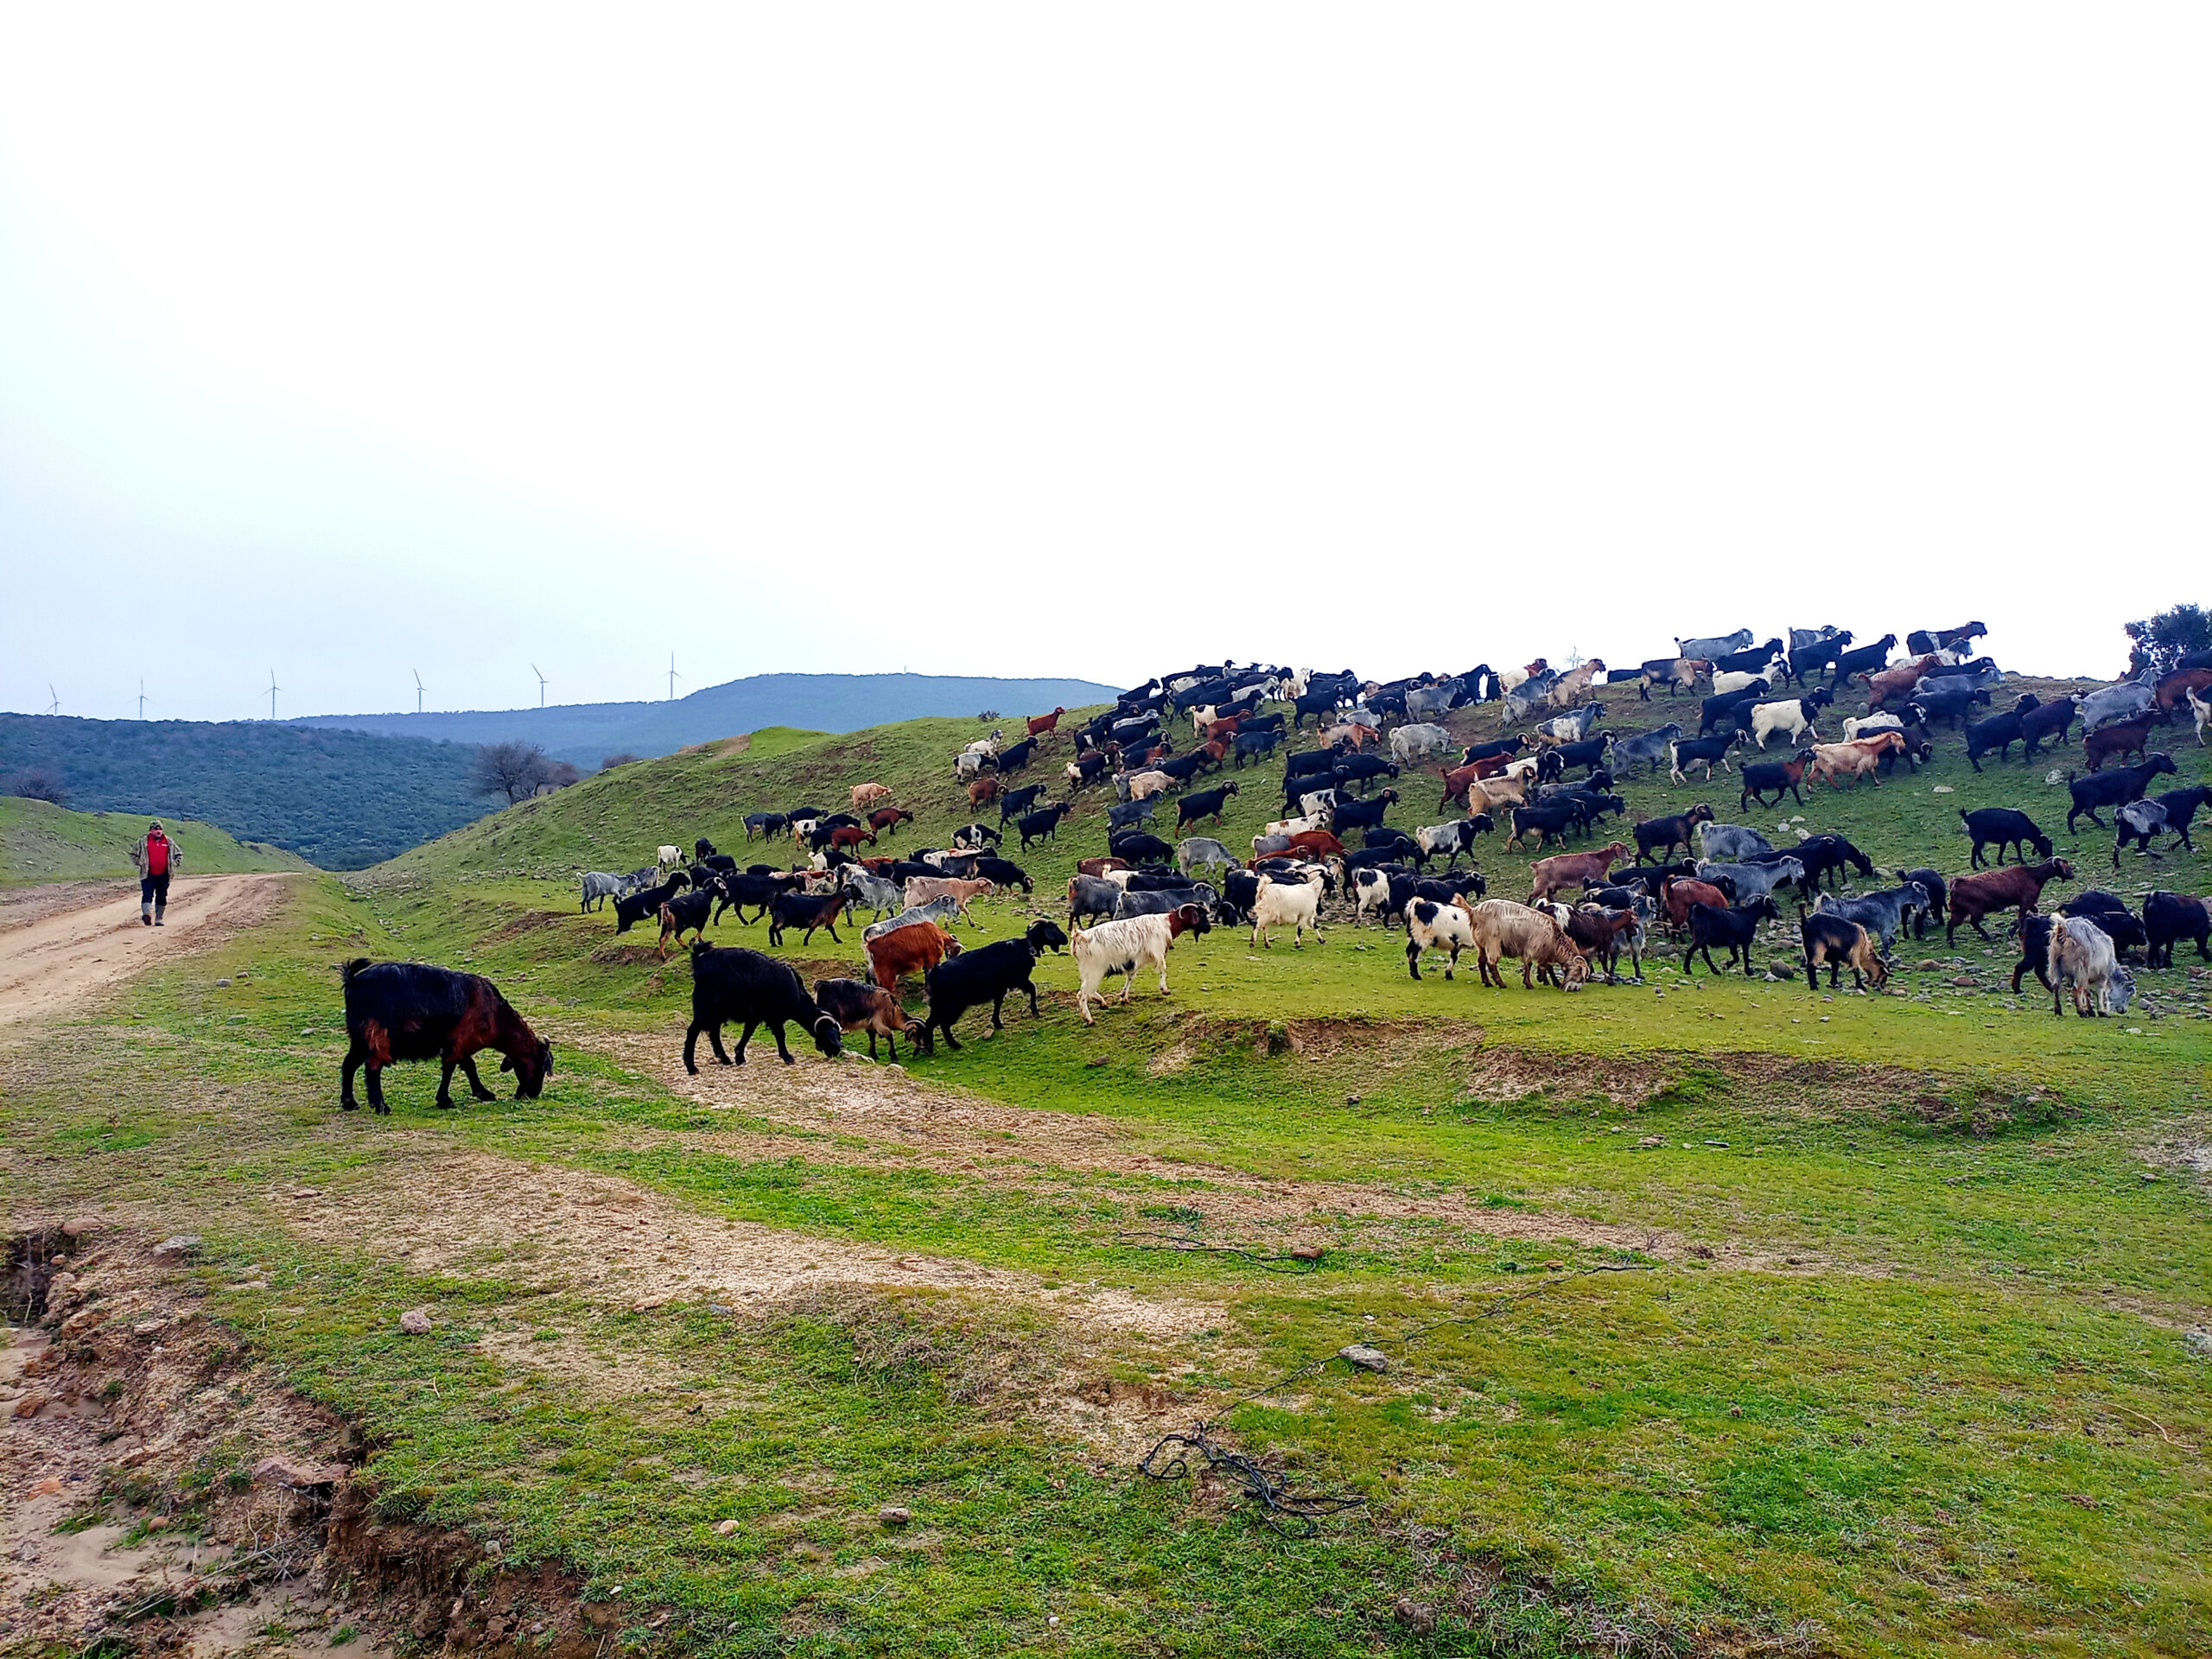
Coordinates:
x,y
65,956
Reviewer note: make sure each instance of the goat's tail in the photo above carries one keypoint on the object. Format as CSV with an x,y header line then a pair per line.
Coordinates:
x,y
346,970
2051,950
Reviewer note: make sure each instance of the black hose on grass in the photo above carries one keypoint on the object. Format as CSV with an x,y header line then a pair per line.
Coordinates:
x,y
1183,1243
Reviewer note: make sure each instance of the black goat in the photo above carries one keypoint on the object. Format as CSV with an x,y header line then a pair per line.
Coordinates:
x,y
730,985
1735,930
2002,827
988,974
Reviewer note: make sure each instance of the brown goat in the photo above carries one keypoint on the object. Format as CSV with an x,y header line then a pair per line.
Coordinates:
x,y
1574,869
2116,742
1885,683
1678,895
1984,892
914,948
859,1006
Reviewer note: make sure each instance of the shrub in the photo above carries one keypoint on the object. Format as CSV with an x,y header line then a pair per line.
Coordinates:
x,y
36,784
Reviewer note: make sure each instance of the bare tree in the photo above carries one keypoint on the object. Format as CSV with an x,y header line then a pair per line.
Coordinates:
x,y
558,774
37,784
622,759
513,769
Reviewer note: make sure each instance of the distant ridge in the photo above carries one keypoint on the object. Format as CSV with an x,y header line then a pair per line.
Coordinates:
x,y
586,733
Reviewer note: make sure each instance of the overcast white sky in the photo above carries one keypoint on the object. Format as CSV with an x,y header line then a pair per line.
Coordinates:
x,y
1041,339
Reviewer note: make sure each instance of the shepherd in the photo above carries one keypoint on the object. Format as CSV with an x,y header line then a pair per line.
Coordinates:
x,y
157,858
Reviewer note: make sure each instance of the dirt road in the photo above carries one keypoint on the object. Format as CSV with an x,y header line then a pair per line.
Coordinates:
x,y
61,958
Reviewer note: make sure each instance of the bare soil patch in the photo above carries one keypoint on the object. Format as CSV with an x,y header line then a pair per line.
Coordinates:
x,y
210,1511
903,1119
436,1209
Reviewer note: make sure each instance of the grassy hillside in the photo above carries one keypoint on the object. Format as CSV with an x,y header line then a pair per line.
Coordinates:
x,y
340,799
1900,1363
585,734
39,842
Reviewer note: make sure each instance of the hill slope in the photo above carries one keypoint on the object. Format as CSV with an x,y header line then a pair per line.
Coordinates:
x,y
587,732
39,842
340,799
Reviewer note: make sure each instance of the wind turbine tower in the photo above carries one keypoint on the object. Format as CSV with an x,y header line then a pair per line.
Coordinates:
x,y
541,685
418,691
273,688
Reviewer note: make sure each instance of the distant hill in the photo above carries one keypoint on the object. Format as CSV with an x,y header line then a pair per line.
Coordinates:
x,y
40,842
337,798
587,732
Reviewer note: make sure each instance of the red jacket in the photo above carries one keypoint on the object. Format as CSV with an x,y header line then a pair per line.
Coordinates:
x,y
158,854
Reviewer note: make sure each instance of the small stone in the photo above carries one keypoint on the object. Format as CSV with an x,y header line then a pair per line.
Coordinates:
x,y
1961,979
2198,1341
895,1514
720,1307
176,1246
30,1405
307,1192
726,1527
80,1226
222,984
415,1322
46,1488
1366,1358
1651,1143
1308,1253
149,1327
1415,1615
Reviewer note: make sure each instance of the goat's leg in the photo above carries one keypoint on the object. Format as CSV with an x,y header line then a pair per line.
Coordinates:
x,y
353,1059
475,1083
444,1101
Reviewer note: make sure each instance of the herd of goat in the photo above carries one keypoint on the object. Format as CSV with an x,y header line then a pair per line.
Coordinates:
x,y
1706,884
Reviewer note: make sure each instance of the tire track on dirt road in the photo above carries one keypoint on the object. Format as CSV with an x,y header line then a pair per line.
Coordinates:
x,y
61,959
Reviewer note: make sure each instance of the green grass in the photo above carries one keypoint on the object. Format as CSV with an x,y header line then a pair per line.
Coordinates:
x,y
1950,1409
40,844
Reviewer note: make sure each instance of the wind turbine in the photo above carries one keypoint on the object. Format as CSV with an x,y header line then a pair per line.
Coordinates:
x,y
673,677
55,707
273,688
418,690
541,683
141,699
